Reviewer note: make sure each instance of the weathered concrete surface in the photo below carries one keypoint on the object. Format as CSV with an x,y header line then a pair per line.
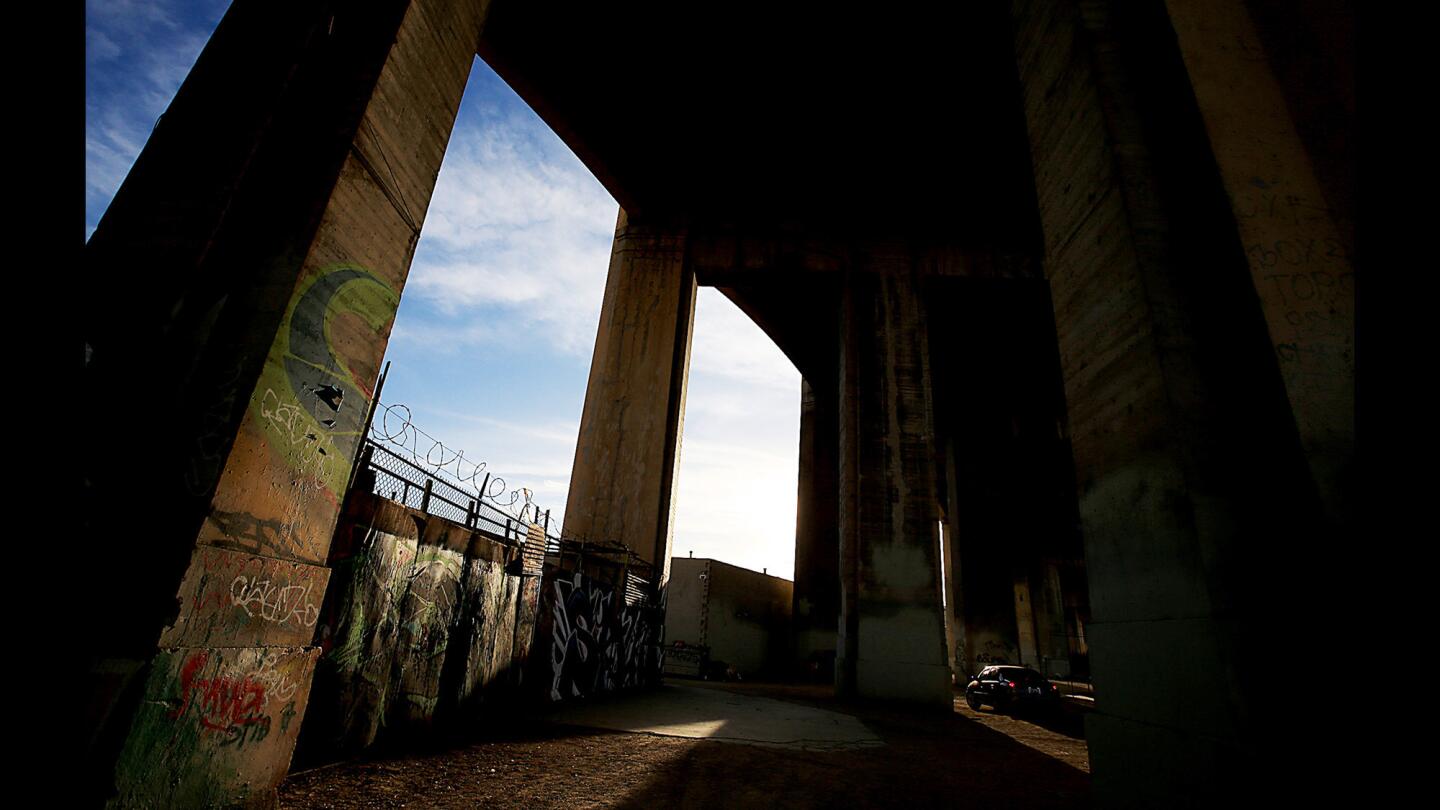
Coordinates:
x,y
892,633
628,450
215,728
285,310
743,616
1009,498
426,616
279,490
589,641
527,619
421,628
712,714
816,609
359,625
1118,141
243,600
486,620
1299,252
1189,464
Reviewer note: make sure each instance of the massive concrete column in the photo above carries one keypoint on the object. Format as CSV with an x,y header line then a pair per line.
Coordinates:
x,y
892,642
816,610
1051,639
1010,499
627,455
243,299
1193,478
1296,232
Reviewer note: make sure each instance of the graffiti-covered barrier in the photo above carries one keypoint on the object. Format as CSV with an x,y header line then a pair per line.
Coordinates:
x,y
425,621
595,636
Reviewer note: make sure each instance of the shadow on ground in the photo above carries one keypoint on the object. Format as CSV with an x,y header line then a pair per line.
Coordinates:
x,y
927,759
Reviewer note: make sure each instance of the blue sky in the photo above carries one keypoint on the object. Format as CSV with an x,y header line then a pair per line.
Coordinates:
x,y
492,342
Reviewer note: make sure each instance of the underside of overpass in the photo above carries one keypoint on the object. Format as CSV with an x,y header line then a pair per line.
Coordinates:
x,y
1066,281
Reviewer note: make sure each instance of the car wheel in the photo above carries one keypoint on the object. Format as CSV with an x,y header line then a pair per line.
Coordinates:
x,y
973,701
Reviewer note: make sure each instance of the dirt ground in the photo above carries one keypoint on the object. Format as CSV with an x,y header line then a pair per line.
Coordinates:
x,y
965,759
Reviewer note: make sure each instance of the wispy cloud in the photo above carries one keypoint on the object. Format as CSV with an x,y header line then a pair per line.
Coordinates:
x,y
739,464
513,260
519,227
137,53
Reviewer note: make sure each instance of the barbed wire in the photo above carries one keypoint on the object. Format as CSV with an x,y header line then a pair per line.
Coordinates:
x,y
394,427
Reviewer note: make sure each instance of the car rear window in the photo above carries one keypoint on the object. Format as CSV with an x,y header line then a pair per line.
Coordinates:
x,y
1023,675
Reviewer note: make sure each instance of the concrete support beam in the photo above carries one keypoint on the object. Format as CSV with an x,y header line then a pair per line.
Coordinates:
x,y
1025,622
1299,252
627,455
1009,493
816,613
1192,475
263,330
1051,639
892,641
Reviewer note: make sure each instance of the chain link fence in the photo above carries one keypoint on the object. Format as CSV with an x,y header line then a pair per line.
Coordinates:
x,y
403,463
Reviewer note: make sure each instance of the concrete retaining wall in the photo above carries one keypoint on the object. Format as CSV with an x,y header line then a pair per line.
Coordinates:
x,y
589,642
425,621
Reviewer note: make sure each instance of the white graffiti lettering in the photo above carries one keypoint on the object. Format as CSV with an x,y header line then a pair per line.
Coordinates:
x,y
273,602
287,420
278,687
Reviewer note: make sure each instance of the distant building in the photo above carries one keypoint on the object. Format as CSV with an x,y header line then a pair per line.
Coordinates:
x,y
732,616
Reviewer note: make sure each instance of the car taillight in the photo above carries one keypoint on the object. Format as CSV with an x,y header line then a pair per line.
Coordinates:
x,y
1010,684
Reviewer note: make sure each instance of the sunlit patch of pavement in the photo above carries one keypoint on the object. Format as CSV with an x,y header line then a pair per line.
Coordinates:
x,y
710,714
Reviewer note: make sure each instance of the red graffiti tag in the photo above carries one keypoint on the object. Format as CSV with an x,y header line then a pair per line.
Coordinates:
x,y
221,703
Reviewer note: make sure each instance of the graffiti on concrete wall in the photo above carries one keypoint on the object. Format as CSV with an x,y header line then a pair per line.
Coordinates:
x,y
276,602
312,401
304,444
414,633
639,648
485,623
234,599
239,709
223,704
579,634
304,417
596,643
427,613
358,627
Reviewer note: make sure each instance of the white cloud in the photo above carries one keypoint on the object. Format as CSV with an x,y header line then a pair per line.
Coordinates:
x,y
519,224
137,54
99,47
516,245
739,463
731,346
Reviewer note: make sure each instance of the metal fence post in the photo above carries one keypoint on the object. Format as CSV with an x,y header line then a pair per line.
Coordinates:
x,y
365,428
425,499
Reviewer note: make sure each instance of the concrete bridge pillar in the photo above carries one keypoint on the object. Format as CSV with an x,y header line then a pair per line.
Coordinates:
x,y
892,631
1209,404
627,455
245,279
816,611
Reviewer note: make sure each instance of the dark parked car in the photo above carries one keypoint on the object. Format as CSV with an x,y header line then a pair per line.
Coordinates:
x,y
1011,687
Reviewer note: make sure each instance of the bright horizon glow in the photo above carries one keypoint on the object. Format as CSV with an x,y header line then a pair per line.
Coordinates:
x,y
493,338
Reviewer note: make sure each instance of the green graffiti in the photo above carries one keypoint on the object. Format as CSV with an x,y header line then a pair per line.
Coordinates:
x,y
286,715
309,399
